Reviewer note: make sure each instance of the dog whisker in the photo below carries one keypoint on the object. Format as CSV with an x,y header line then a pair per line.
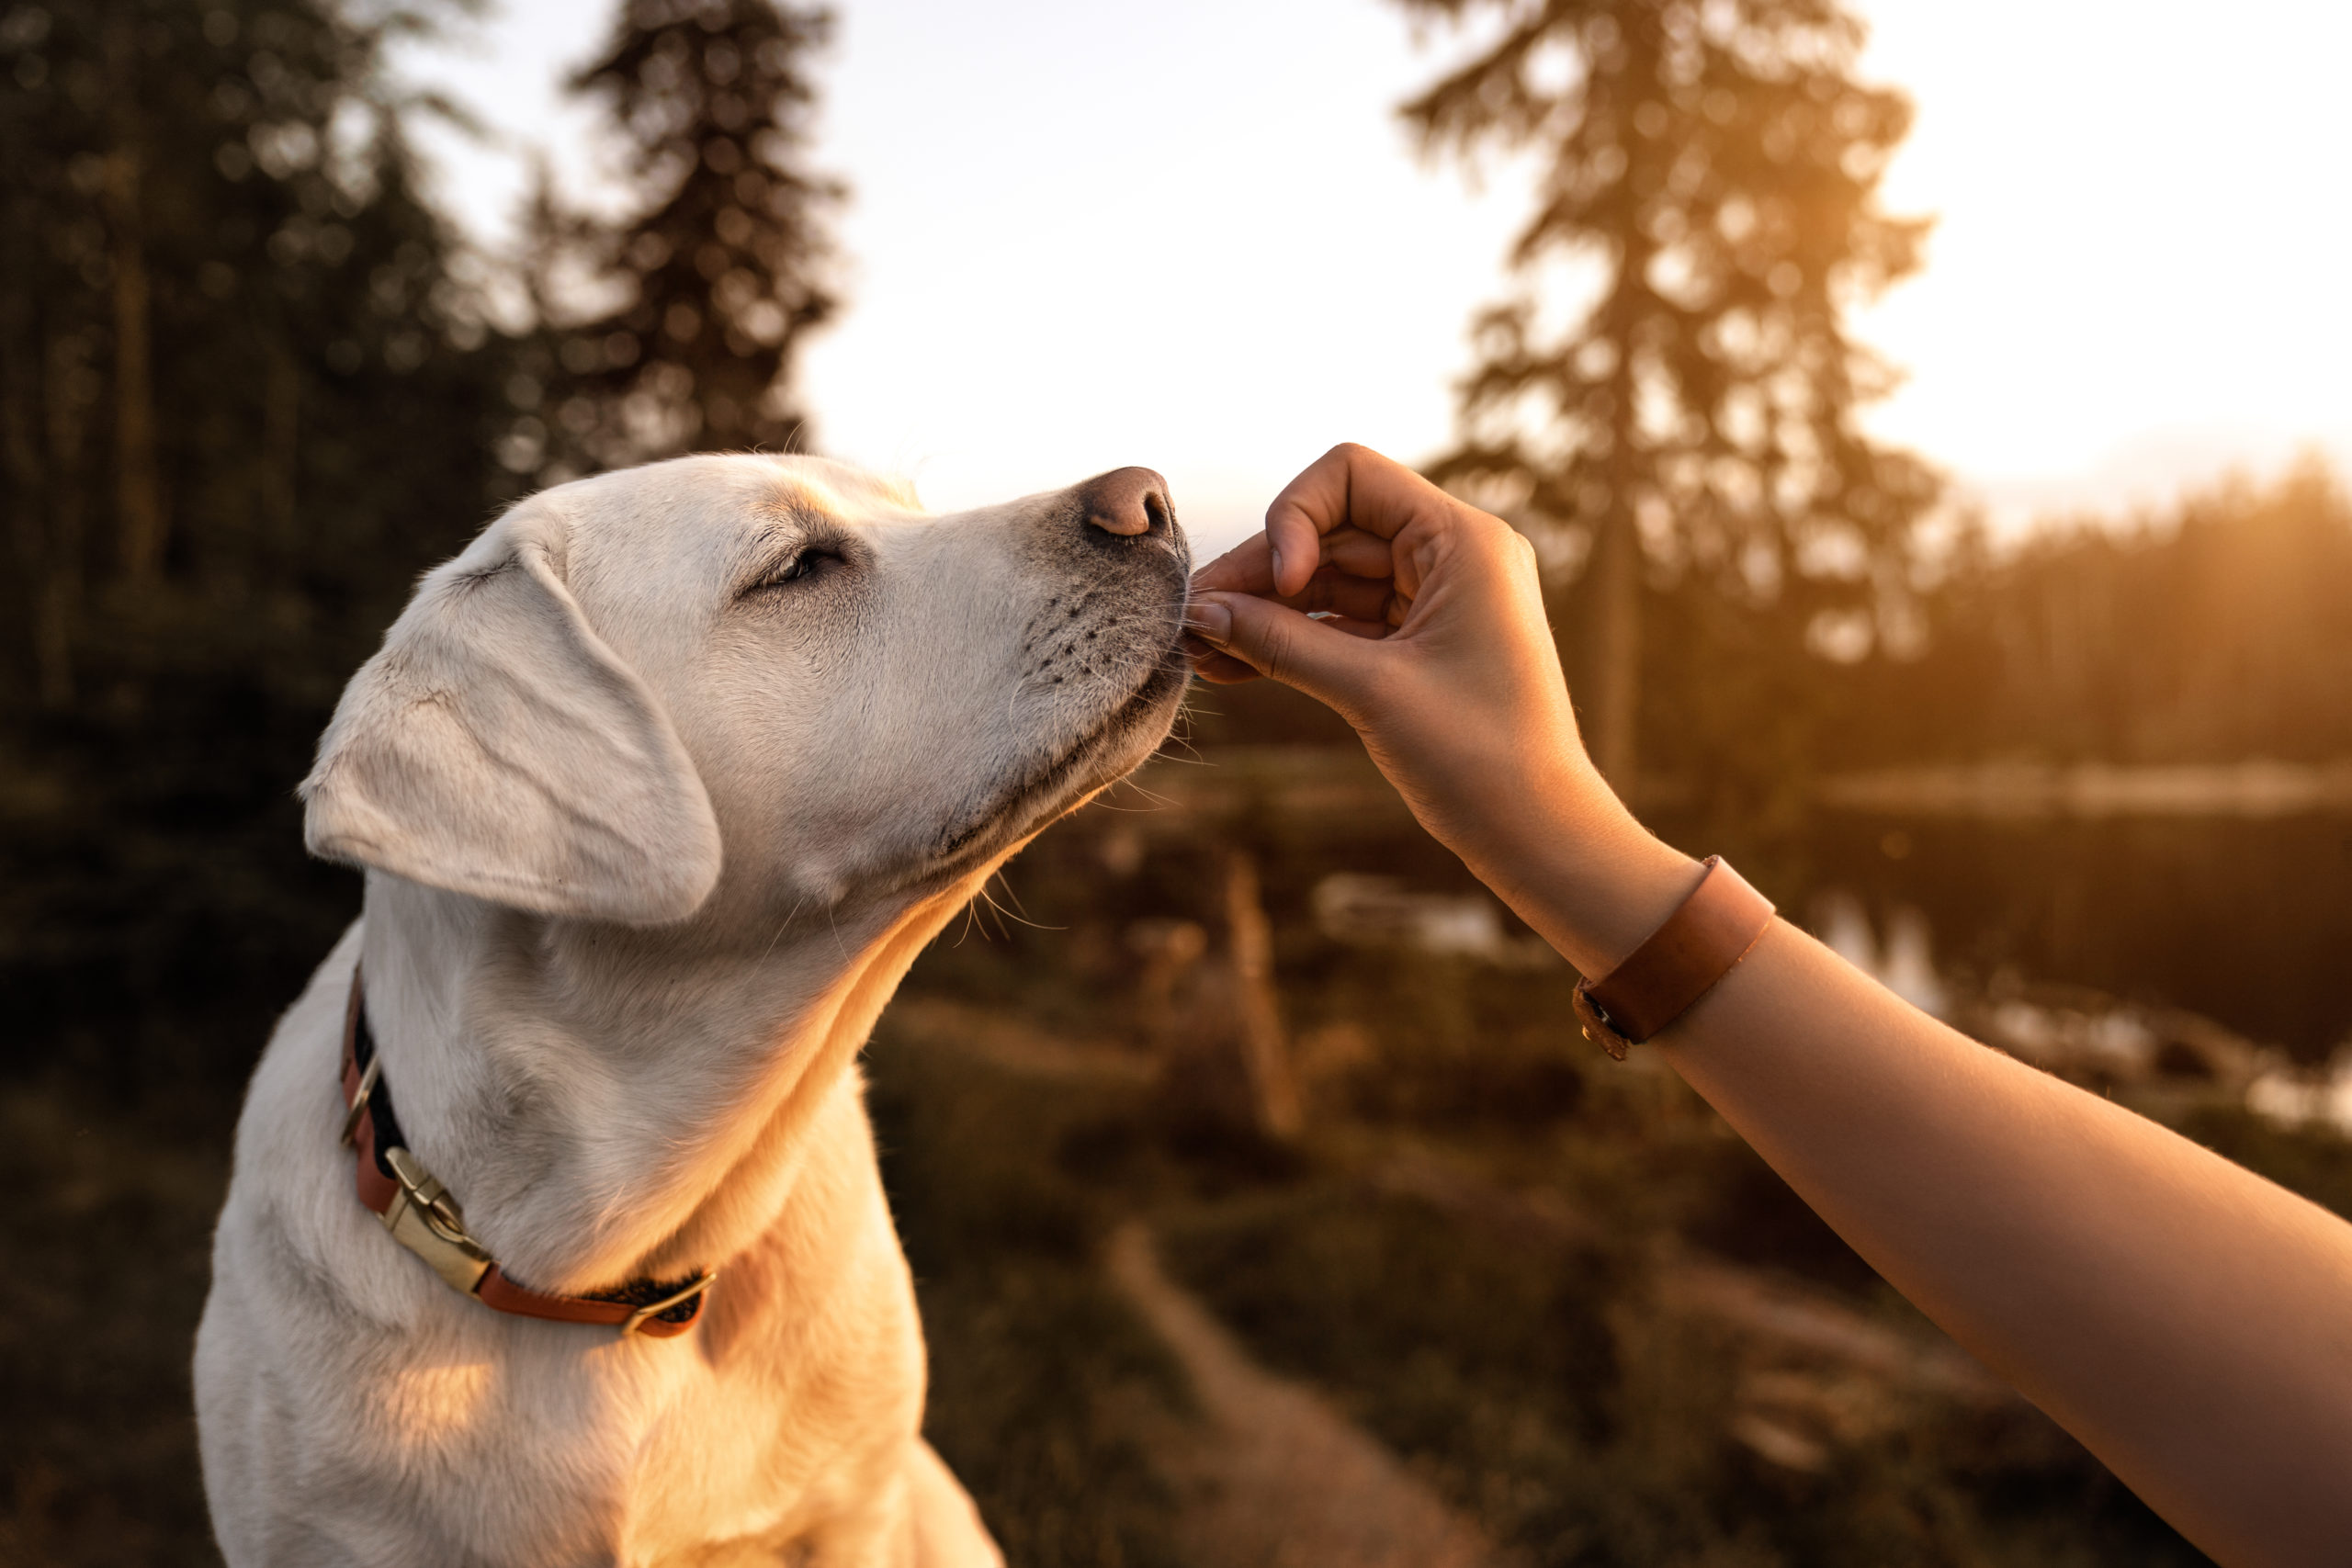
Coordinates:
x,y
790,915
1021,915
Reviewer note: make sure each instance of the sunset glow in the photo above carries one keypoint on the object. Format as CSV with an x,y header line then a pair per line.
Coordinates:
x,y
1196,237
2138,273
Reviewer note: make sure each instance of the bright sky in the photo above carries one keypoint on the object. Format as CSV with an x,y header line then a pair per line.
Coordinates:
x,y
1089,234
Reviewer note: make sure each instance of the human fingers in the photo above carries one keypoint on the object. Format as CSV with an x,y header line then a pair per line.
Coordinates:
x,y
1205,619
1378,620
1371,631
1348,485
1217,669
1358,554
1318,658
1248,567
1336,593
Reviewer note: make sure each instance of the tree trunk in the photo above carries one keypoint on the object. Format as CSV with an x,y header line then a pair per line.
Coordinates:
x,y
1613,654
1611,697
69,387
1265,1055
20,402
281,419
138,505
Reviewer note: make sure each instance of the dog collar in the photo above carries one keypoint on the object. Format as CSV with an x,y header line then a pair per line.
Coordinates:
x,y
425,1219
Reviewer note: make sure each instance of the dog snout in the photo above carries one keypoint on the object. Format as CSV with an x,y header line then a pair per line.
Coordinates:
x,y
1128,504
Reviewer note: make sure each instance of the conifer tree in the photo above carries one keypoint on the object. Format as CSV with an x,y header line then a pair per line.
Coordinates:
x,y
1718,164
723,270
244,398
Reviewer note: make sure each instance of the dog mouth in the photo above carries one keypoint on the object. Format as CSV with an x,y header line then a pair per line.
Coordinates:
x,y
1055,786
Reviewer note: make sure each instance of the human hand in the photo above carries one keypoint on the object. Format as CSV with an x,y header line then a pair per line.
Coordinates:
x,y
1435,646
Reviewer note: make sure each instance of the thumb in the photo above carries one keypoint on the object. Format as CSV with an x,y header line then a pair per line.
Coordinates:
x,y
1327,664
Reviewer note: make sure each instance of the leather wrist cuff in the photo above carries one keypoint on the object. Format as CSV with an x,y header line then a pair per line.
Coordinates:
x,y
1700,942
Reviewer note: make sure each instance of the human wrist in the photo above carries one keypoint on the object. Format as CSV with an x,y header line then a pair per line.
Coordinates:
x,y
1580,869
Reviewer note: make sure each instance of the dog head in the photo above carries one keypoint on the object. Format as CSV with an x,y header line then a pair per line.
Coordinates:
x,y
773,674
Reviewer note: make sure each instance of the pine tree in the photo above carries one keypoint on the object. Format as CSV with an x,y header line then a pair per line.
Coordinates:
x,y
723,271
1719,161
244,398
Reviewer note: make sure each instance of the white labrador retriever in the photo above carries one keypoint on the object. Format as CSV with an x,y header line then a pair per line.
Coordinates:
x,y
659,787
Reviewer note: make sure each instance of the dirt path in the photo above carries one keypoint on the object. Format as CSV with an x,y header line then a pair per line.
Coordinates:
x,y
1281,1480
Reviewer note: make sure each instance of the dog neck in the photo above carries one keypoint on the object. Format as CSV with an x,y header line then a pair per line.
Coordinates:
x,y
609,1103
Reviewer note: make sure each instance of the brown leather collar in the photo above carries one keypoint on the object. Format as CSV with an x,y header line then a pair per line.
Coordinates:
x,y
424,1218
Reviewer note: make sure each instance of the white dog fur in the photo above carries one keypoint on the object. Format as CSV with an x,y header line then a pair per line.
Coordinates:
x,y
653,825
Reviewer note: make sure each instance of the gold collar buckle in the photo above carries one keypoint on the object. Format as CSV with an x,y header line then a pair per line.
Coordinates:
x,y
424,1218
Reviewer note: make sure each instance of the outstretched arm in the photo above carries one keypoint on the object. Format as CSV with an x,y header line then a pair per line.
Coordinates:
x,y
2190,1322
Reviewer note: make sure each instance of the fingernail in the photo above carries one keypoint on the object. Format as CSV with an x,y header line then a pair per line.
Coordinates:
x,y
1277,556
1206,618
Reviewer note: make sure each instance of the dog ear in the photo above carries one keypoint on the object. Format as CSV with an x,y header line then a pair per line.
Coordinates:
x,y
496,746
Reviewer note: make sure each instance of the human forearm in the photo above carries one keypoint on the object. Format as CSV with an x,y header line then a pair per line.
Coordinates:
x,y
1573,863
2188,1321
2191,1323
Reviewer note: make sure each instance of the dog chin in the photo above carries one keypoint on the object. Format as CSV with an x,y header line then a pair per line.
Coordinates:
x,y
1105,754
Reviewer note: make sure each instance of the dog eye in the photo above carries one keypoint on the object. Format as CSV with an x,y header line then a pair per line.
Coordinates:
x,y
809,563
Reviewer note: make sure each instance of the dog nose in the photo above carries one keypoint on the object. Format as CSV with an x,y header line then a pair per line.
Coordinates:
x,y
1127,501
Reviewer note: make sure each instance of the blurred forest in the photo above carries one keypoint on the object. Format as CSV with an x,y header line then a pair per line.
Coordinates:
x,y
248,392
252,383
2210,631
251,386
1720,165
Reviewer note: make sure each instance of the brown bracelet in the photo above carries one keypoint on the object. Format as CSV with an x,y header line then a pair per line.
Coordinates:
x,y
1682,961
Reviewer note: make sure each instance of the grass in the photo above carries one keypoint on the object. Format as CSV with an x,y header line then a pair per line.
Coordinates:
x,y
1043,1384
1533,1378
1544,1394
1044,1390
108,1258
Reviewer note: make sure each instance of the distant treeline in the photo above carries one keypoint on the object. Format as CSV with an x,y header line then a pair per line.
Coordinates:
x,y
2217,631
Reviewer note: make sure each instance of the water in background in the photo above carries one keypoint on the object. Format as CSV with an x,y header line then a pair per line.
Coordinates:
x,y
2246,921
